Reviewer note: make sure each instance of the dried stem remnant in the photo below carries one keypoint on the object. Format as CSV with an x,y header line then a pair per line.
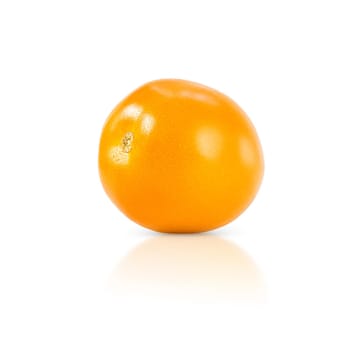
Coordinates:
x,y
120,153
127,141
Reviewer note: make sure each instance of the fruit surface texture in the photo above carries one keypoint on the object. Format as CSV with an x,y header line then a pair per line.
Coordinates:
x,y
179,157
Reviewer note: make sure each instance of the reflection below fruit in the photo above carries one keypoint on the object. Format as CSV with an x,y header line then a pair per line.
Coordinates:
x,y
197,268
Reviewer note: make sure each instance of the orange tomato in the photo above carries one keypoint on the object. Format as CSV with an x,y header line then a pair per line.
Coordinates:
x,y
177,156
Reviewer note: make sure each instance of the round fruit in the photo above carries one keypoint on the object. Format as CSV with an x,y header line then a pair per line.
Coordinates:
x,y
177,156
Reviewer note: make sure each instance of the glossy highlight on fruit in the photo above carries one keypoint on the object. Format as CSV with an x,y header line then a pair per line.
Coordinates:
x,y
179,157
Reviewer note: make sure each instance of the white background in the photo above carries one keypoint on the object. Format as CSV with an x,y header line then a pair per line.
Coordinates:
x,y
76,274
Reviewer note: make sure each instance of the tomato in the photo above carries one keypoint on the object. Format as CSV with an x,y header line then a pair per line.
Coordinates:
x,y
176,156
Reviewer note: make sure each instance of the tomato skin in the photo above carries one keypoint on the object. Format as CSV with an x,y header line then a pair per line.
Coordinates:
x,y
177,156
